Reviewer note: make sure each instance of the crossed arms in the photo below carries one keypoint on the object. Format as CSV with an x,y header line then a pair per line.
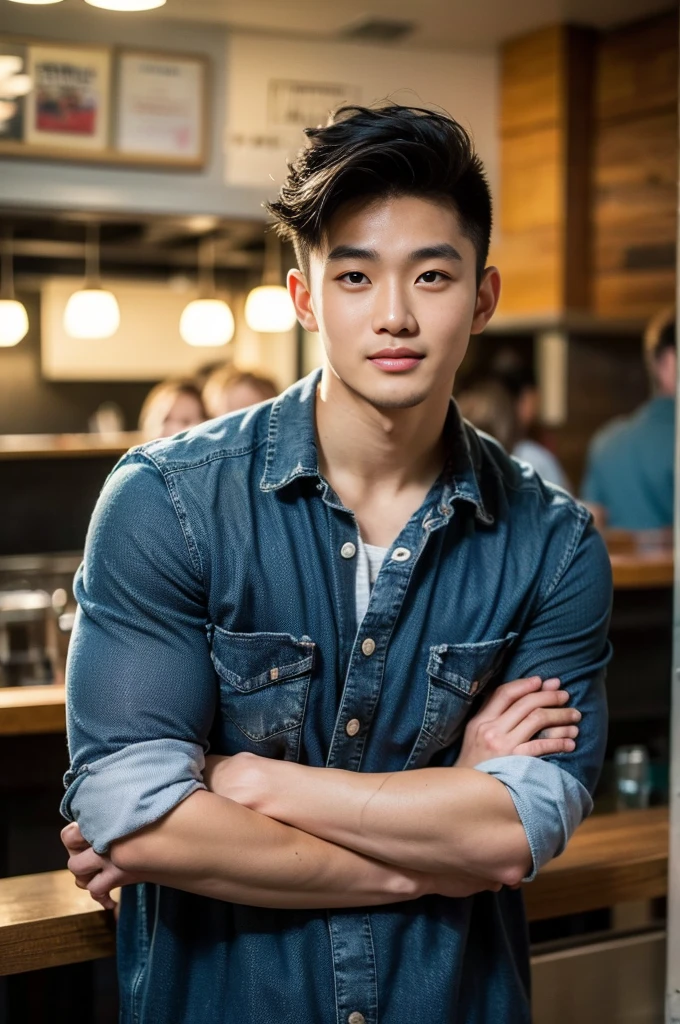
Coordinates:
x,y
137,733
274,833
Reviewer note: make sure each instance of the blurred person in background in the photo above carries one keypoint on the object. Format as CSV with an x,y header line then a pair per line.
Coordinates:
x,y
228,389
171,406
520,382
629,480
491,407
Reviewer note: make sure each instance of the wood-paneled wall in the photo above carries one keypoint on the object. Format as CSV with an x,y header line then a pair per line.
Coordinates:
x,y
589,165
545,133
636,168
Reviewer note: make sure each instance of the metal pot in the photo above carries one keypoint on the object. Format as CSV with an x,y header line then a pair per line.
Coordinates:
x,y
27,638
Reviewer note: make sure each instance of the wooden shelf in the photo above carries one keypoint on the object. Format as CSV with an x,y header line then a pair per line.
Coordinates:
x,y
54,446
613,858
27,710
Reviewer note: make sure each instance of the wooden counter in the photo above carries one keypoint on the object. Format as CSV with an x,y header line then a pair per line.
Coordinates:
x,y
51,446
613,858
26,710
633,571
46,921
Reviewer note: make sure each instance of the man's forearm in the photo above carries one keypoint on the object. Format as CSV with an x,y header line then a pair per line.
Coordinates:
x,y
431,820
214,847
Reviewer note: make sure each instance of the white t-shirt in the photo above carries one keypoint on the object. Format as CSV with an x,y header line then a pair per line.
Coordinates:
x,y
369,559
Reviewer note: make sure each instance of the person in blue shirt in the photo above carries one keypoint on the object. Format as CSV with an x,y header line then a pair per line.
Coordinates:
x,y
629,479
332,653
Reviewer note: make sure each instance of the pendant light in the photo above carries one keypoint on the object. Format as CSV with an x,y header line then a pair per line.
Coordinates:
x,y
124,5
13,315
92,312
207,321
269,308
35,2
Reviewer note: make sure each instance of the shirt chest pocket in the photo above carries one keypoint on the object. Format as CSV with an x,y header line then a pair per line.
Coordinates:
x,y
264,681
456,674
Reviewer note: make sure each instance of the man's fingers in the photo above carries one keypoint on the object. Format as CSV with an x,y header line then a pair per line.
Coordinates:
x,y
542,748
507,694
72,838
522,709
561,732
86,863
540,719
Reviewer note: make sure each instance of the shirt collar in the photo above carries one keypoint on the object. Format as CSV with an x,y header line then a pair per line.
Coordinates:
x,y
291,448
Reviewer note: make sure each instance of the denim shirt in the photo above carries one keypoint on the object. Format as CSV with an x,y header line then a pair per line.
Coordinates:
x,y
217,609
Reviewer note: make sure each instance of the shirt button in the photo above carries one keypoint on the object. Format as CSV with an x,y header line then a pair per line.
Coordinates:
x,y
368,646
348,550
353,726
356,1018
401,555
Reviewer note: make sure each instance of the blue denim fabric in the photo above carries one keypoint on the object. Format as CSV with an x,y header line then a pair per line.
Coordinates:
x,y
216,609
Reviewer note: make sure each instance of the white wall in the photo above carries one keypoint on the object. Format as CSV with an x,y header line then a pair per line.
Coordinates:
x,y
260,137
463,83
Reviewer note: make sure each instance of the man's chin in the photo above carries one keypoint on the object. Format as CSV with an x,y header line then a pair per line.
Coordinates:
x,y
404,396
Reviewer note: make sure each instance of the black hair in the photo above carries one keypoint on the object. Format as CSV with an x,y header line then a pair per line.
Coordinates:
x,y
384,151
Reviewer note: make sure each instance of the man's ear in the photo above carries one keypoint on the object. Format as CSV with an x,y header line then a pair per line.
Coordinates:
x,y
488,294
302,300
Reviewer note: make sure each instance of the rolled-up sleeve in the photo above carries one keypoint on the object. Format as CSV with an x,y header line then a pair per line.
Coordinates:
x,y
141,687
566,639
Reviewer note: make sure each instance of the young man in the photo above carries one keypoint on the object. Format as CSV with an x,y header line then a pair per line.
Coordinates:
x,y
338,580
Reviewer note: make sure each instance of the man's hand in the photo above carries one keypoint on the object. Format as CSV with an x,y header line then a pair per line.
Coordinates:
x,y
92,871
526,717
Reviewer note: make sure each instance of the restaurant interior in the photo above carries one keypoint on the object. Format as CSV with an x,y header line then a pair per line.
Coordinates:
x,y
135,252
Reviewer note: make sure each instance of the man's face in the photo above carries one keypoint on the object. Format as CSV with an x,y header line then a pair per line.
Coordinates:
x,y
393,294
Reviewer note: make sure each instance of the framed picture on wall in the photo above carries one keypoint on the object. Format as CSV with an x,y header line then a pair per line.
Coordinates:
x,y
162,107
68,104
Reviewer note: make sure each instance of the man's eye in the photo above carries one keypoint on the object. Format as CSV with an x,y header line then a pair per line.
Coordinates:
x,y
354,277
432,277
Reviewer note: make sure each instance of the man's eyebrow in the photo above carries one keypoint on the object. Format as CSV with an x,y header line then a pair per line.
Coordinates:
x,y
351,252
443,251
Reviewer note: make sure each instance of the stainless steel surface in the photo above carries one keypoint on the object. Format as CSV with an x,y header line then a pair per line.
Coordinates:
x,y
28,652
46,583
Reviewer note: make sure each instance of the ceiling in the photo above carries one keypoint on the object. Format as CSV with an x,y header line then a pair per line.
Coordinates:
x,y
47,244
441,24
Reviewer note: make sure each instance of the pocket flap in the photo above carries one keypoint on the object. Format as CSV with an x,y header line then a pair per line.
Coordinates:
x,y
468,667
250,661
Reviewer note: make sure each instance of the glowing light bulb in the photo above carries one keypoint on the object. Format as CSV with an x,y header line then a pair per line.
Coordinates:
x,y
92,313
125,5
13,322
207,322
270,310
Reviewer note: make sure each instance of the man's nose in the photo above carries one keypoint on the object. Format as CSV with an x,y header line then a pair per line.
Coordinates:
x,y
392,313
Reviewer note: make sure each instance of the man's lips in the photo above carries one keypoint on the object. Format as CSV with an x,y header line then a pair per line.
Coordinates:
x,y
396,359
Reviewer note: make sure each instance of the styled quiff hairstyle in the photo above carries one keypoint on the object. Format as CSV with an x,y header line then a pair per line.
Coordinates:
x,y
381,152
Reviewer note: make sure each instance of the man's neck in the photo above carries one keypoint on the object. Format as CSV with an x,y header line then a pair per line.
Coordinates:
x,y
380,462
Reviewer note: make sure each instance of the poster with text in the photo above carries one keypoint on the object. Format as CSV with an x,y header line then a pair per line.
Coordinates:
x,y
161,107
68,105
